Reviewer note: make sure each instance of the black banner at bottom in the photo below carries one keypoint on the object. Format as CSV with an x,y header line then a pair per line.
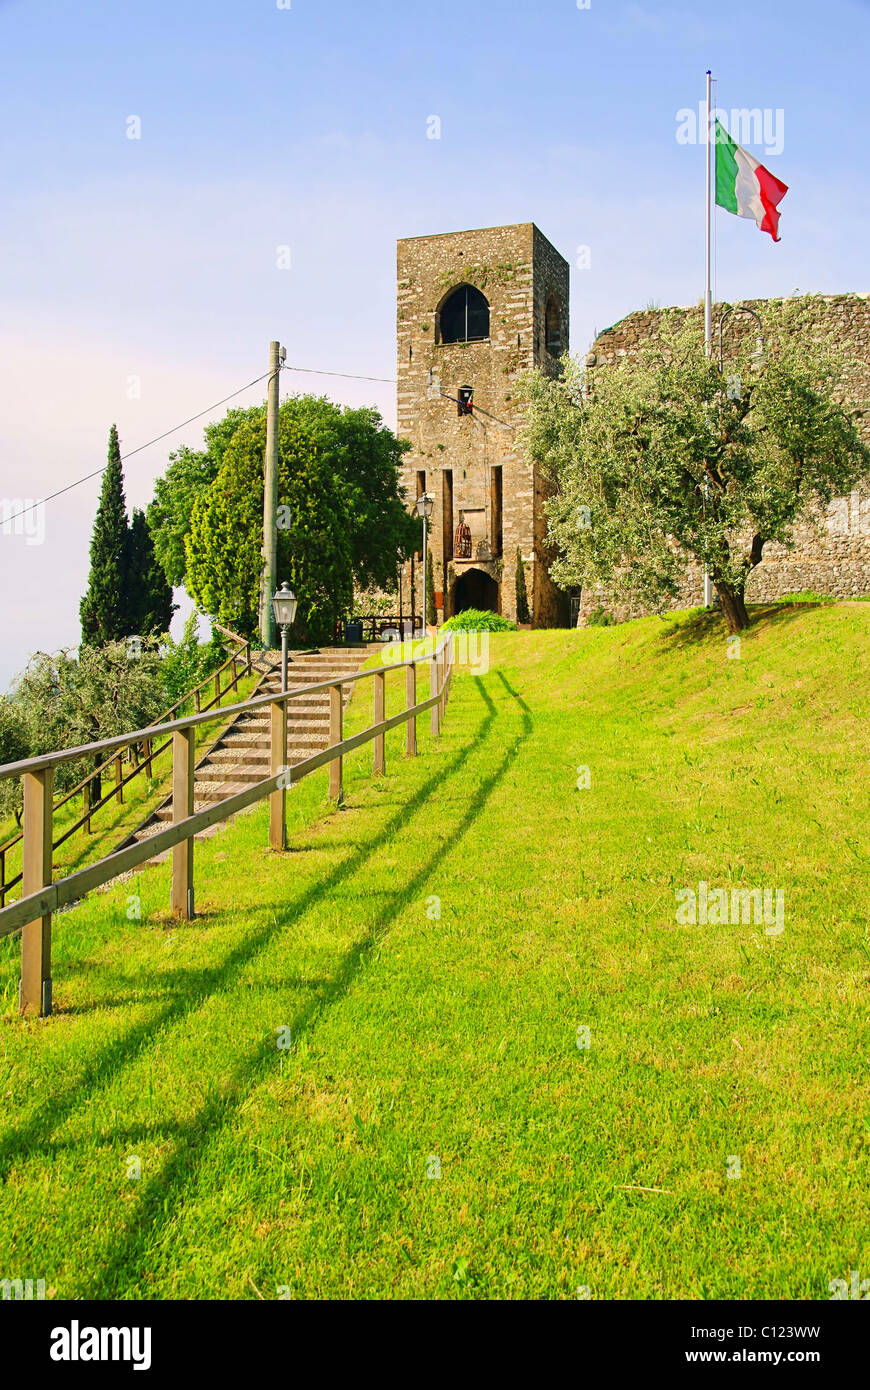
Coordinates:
x,y
87,1340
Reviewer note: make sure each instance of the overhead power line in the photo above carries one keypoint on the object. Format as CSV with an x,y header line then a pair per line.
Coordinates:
x,y
313,371
349,376
156,440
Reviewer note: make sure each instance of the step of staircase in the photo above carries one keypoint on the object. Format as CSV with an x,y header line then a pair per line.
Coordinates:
x,y
242,756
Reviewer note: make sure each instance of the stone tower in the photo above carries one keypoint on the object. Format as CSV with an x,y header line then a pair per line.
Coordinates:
x,y
474,309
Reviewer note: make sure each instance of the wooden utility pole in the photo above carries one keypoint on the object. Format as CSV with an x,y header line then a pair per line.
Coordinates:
x,y
277,355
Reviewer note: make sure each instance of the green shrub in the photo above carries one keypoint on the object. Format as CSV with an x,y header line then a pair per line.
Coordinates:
x,y
475,620
601,618
188,661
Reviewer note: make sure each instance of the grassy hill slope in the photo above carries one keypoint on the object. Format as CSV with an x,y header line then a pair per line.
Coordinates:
x,y
433,953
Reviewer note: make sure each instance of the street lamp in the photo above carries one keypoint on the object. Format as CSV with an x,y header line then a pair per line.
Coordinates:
x,y
284,608
425,503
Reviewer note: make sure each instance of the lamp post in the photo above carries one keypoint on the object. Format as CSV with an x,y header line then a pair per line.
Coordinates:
x,y
425,503
284,608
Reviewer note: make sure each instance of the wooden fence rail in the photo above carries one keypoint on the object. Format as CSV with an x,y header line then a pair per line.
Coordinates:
x,y
32,914
140,765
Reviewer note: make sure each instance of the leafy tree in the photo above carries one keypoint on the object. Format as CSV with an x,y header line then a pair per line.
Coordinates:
x,y
61,701
362,454
522,594
189,475
187,662
14,741
102,610
149,607
14,745
662,459
366,457
223,547
341,517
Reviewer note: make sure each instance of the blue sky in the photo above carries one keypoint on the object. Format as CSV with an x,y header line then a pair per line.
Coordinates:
x,y
306,128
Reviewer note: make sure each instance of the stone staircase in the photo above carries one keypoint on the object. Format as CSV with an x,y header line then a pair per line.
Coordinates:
x,y
241,756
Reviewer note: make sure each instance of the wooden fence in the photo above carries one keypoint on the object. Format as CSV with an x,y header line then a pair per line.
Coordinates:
x,y
140,756
32,914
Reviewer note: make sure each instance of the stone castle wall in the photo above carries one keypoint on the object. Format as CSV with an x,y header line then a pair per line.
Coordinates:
x,y
518,271
832,550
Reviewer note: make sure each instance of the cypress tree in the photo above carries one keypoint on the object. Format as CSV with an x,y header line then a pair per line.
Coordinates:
x,y
102,610
149,607
522,594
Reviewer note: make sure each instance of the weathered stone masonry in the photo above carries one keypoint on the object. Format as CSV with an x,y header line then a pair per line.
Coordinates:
x,y
471,464
832,551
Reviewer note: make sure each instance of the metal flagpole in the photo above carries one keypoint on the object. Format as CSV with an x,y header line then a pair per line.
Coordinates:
x,y
708,295
708,298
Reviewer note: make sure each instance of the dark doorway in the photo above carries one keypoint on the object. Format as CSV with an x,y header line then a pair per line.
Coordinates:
x,y
475,589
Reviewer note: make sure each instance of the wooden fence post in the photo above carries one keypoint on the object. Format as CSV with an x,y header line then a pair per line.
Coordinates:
x,y
183,748
35,996
217,687
379,765
434,720
410,702
445,678
336,720
278,762
2,878
147,745
86,806
119,790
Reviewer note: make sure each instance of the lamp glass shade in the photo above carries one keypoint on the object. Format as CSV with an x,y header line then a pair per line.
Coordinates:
x,y
284,606
425,503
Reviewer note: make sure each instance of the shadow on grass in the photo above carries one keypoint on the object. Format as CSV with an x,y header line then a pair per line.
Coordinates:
x,y
165,1190
705,623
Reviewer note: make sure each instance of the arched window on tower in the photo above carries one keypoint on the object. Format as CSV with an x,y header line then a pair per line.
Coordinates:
x,y
464,316
553,329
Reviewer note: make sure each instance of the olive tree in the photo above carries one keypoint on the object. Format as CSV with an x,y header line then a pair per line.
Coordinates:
x,y
665,458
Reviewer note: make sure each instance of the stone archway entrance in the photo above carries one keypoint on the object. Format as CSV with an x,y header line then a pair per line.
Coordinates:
x,y
475,589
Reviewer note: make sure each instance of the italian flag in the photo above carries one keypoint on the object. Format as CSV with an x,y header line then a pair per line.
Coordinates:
x,y
745,187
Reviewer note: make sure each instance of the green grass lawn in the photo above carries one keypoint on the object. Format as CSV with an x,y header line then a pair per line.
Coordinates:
x,y
432,953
